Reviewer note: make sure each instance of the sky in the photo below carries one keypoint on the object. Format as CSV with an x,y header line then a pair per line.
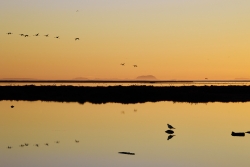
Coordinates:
x,y
169,39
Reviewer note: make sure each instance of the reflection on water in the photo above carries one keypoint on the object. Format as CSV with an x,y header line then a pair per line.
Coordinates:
x,y
70,134
136,83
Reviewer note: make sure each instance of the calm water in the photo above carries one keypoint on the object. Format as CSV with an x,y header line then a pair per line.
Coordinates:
x,y
203,134
195,83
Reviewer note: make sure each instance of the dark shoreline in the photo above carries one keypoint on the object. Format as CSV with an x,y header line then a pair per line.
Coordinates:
x,y
126,94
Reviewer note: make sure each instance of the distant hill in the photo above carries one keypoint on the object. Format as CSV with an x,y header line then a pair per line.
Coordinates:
x,y
146,77
80,78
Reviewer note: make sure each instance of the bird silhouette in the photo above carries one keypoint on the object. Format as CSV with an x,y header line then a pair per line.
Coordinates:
x,y
9,147
170,126
122,64
21,34
77,141
37,145
9,33
170,137
26,144
12,106
47,144
26,35
77,39
169,131
36,34
57,37
47,35
135,65
237,133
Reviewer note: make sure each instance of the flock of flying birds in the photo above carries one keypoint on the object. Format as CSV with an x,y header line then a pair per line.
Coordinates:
x,y
47,35
58,37
123,64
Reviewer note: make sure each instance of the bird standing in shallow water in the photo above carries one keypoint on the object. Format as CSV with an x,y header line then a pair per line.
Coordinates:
x,y
169,131
170,126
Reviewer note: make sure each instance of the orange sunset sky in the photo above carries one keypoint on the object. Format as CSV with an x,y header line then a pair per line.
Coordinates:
x,y
170,39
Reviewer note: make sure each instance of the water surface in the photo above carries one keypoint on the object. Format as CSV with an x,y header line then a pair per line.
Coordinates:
x,y
203,134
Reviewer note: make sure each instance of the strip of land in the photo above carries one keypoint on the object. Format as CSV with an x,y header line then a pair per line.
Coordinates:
x,y
126,94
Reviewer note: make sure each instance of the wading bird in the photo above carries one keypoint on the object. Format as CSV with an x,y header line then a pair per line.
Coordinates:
x,y
169,131
170,126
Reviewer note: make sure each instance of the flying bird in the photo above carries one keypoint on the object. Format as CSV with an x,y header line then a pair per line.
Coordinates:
x,y
170,126
36,34
170,137
26,35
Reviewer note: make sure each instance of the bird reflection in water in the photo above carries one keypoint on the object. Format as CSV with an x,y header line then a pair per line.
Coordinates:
x,y
170,137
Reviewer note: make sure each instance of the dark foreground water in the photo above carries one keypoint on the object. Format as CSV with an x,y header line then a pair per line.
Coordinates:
x,y
202,134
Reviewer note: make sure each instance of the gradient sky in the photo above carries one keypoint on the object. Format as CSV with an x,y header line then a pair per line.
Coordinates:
x,y
170,39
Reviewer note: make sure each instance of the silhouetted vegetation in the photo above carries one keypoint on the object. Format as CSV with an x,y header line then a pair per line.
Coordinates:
x,y
127,94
